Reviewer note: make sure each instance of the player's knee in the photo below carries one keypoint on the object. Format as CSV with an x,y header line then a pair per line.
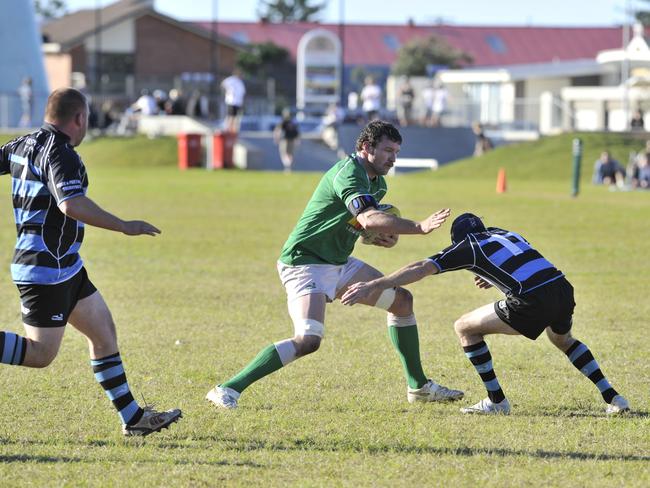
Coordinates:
x,y
306,344
460,327
561,341
403,304
39,355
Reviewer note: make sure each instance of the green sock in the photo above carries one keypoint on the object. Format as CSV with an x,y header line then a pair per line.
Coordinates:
x,y
266,362
407,343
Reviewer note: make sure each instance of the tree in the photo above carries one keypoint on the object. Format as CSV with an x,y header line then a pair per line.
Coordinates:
x,y
50,9
283,11
414,56
642,16
267,61
263,59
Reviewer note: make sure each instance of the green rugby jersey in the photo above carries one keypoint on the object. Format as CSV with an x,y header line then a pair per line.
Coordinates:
x,y
326,231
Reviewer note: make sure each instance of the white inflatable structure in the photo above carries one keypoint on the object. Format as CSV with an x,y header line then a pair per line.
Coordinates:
x,y
21,57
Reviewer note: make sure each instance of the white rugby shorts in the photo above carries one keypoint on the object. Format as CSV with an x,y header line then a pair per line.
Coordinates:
x,y
317,278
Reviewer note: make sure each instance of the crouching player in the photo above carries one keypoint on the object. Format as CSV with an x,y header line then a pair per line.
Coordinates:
x,y
538,298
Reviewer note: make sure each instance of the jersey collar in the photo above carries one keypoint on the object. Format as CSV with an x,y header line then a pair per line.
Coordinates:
x,y
356,160
53,129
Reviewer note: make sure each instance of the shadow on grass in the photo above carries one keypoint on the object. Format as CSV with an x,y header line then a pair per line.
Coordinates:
x,y
27,458
41,459
594,415
314,445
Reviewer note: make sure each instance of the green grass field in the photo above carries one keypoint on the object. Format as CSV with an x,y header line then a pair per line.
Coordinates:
x,y
193,305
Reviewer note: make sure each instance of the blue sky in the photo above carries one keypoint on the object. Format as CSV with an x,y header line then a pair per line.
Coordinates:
x,y
472,12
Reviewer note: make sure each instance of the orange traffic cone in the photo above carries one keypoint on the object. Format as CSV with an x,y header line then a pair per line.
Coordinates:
x,y
501,181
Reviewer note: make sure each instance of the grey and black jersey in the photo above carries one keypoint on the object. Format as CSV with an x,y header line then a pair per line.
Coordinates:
x,y
45,171
501,257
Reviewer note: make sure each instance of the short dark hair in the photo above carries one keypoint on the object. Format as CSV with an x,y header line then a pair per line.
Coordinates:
x,y
465,224
63,104
375,130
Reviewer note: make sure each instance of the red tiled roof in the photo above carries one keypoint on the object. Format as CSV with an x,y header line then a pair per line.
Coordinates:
x,y
488,46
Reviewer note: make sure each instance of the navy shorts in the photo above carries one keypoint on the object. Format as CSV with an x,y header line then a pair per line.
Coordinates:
x,y
51,305
233,110
550,305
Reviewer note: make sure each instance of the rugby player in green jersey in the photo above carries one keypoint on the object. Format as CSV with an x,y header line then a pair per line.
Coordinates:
x,y
316,266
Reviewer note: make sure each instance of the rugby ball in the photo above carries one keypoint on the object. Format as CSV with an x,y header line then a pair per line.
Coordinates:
x,y
367,236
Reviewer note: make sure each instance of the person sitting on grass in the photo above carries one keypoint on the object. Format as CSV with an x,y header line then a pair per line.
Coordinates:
x,y
538,298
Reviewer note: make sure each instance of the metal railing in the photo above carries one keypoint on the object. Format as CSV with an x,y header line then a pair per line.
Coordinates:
x,y
523,114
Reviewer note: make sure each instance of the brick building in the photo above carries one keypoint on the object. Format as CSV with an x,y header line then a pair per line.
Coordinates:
x,y
128,46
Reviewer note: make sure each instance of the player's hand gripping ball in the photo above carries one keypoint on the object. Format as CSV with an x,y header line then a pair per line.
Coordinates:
x,y
367,236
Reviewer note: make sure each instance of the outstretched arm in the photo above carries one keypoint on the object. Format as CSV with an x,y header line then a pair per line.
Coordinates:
x,y
85,210
378,221
408,274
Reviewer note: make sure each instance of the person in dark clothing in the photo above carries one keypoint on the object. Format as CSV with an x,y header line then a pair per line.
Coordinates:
x,y
52,212
287,136
538,298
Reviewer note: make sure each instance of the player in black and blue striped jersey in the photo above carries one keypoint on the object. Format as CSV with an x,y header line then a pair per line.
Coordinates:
x,y
538,298
49,182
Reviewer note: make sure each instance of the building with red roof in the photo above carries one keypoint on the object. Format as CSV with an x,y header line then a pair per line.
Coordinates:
x,y
512,69
377,45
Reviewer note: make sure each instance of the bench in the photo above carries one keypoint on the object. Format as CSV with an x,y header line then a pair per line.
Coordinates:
x,y
414,163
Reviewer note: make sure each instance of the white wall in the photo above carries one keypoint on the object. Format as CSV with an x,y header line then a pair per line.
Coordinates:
x,y
119,38
535,87
507,109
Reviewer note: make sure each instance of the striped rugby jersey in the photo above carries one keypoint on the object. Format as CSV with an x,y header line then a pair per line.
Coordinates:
x,y
501,257
45,171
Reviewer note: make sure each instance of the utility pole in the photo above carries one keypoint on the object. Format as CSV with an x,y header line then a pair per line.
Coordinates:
x,y
98,47
625,65
214,58
342,62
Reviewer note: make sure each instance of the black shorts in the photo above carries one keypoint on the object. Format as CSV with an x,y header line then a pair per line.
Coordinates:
x,y
550,305
233,110
51,305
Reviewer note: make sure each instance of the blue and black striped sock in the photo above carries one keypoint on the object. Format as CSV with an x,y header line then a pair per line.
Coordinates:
x,y
581,357
480,356
109,372
12,348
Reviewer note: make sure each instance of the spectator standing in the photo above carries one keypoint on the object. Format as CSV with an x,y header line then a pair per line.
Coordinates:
x,y
287,136
26,95
331,121
197,105
405,97
371,99
427,96
438,104
353,101
637,123
234,93
483,143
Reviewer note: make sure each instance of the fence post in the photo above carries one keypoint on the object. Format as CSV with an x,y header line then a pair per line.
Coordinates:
x,y
577,159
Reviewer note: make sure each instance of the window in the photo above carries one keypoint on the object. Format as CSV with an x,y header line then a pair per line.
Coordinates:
x,y
240,36
496,43
391,42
